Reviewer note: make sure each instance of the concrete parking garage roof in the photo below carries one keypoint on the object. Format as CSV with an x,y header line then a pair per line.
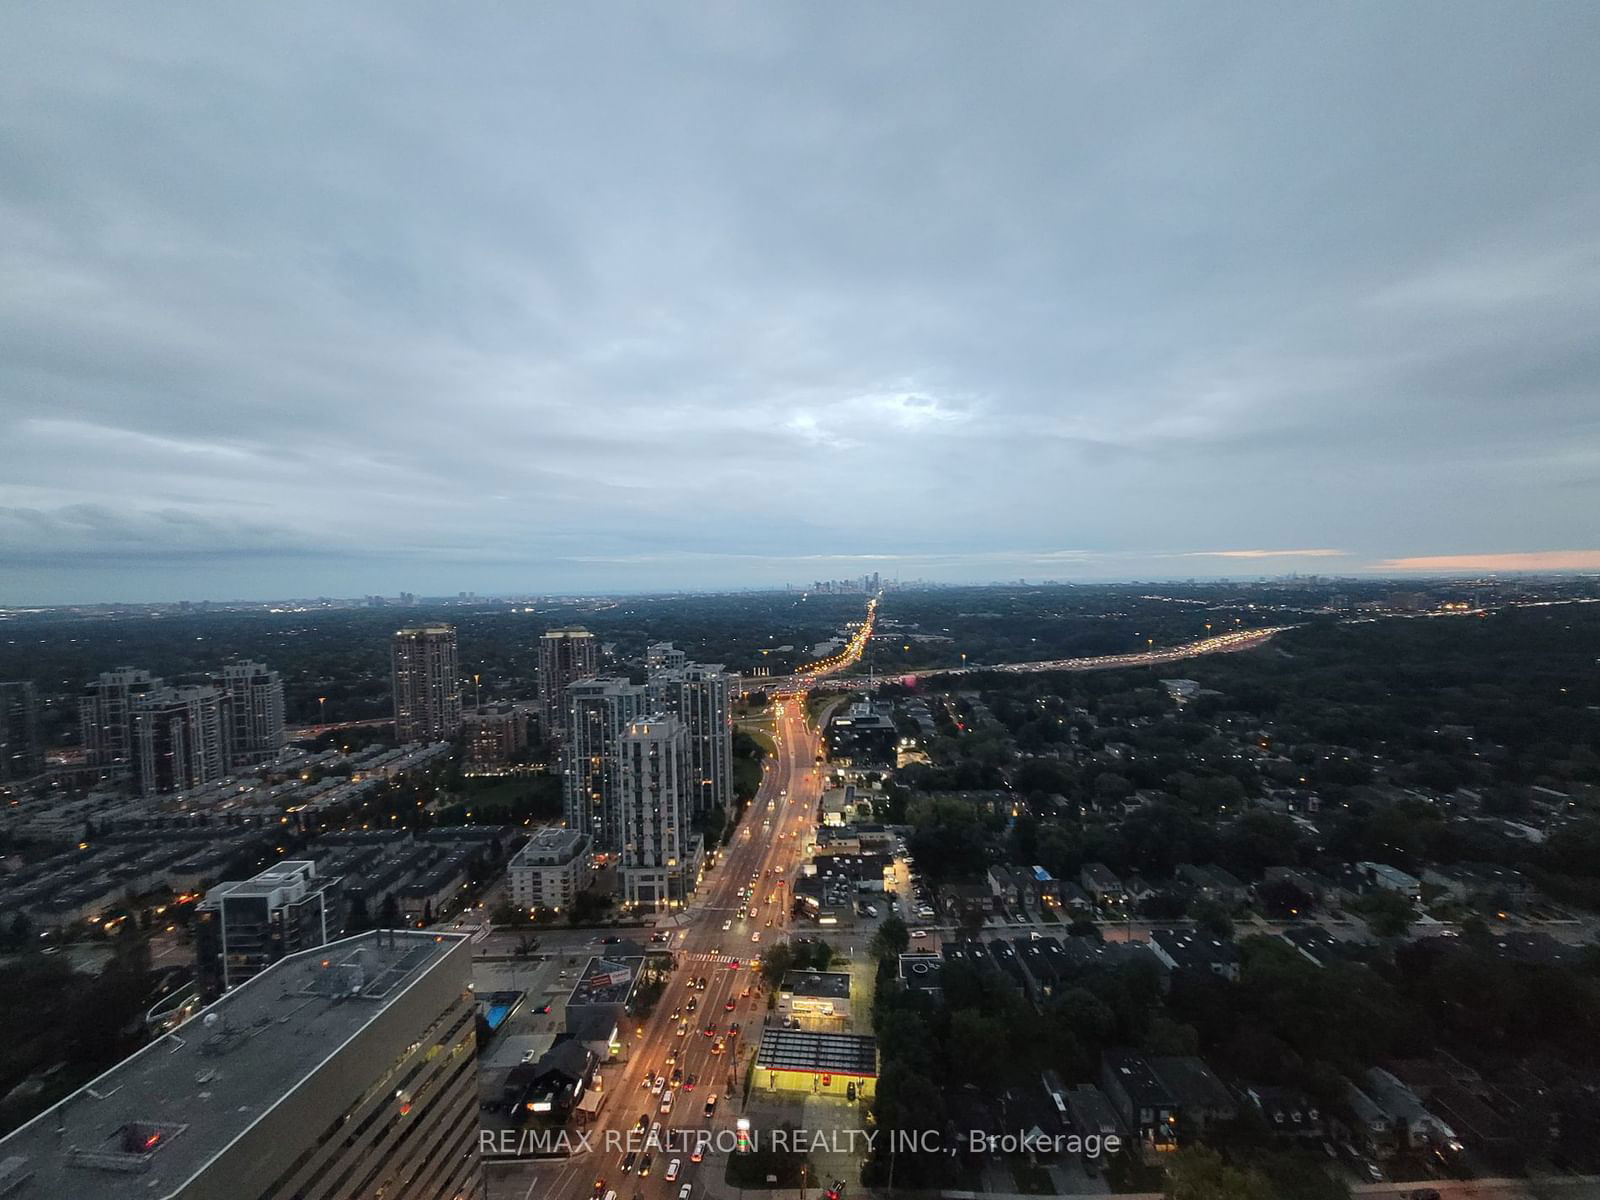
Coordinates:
x,y
149,1125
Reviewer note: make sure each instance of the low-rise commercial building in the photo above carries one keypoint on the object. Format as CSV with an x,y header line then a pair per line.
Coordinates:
x,y
816,997
807,1061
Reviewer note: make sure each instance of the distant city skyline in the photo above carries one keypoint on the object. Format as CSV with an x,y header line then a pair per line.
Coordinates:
x,y
571,300
1045,569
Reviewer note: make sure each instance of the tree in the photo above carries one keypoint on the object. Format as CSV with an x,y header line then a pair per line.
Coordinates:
x,y
1388,914
1212,918
778,961
1199,1173
1164,906
1282,899
1169,1038
974,1038
947,838
1300,1176
971,921
891,940
1086,1015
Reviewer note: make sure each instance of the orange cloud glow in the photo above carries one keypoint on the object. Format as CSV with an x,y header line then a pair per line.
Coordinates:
x,y
1540,560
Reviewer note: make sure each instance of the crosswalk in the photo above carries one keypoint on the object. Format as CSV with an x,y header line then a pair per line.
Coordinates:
x,y
706,956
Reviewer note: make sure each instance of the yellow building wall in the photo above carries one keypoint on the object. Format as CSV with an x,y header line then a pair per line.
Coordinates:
x,y
810,1083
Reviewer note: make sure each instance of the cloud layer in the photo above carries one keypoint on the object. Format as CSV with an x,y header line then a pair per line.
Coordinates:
x,y
390,296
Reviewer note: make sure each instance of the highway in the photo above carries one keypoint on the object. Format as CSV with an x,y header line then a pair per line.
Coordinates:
x,y
712,942
1226,643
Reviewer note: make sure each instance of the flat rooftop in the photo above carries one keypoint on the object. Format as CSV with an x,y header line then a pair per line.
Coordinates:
x,y
834,985
818,1053
605,980
156,1120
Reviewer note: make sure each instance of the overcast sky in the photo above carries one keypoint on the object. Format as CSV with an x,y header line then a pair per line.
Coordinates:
x,y
335,299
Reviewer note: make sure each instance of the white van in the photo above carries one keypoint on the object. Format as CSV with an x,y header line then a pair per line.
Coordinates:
x,y
666,1101
672,1169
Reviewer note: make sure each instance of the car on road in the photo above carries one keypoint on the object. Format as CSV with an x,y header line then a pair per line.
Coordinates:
x,y
672,1056
599,1188
769,922
919,933
677,1077
711,1105
672,1169
688,1084
685,1190
694,1003
649,1078
756,936
643,1123
699,1151
727,925
717,1046
700,984
666,1101
613,940
658,1085
729,1006
644,1166
710,1030
628,1160
683,1028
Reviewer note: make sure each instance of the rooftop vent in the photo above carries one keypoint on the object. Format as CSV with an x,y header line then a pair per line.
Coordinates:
x,y
130,1149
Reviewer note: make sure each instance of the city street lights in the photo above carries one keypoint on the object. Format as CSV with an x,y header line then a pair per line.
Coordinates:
x,y
322,710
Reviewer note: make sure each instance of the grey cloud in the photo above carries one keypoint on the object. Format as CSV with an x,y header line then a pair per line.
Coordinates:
x,y
563,297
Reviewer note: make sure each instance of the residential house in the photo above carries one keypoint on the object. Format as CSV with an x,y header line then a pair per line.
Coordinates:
x,y
1370,1127
1102,885
1092,1114
1007,886
1212,883
1382,877
1288,1112
1203,1099
1465,883
1191,950
1148,1111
